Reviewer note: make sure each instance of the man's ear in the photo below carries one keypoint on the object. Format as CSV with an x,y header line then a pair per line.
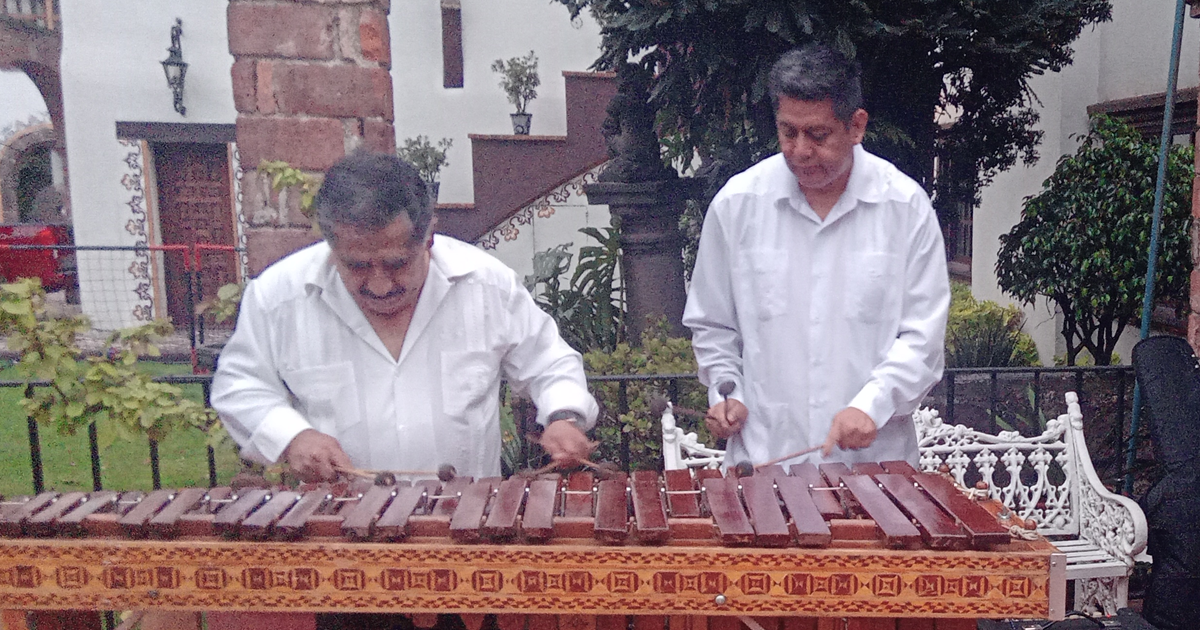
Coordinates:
x,y
432,226
858,125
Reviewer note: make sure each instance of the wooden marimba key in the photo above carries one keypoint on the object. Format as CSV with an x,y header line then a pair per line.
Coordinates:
x,y
887,505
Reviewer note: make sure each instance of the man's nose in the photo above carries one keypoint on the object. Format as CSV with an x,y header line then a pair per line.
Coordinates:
x,y
799,148
379,282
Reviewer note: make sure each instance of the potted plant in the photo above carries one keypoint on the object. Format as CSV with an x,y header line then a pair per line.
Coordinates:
x,y
519,80
428,158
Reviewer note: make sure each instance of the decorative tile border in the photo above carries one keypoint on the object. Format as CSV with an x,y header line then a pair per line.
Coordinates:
x,y
133,180
239,224
544,207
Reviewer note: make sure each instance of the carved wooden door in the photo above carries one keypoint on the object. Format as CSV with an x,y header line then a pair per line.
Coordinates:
x,y
194,206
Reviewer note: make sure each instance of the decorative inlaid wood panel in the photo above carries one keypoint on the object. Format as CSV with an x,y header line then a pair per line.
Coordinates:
x,y
334,575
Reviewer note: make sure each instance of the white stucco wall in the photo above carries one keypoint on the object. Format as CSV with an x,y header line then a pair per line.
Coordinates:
x,y
1126,57
111,72
491,29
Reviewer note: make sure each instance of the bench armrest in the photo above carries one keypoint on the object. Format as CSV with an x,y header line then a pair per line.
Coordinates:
x,y
1110,521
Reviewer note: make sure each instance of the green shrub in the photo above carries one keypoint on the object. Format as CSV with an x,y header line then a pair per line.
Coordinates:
x,y
635,437
108,391
590,308
985,334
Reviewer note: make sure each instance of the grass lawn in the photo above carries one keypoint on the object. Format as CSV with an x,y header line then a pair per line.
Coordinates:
x,y
124,465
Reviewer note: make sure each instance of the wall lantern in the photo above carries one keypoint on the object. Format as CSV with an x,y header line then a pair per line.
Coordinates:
x,y
175,67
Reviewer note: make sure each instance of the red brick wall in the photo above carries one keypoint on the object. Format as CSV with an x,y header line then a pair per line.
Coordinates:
x,y
311,83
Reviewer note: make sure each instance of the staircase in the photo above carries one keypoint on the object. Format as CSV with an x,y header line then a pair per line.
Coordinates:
x,y
511,171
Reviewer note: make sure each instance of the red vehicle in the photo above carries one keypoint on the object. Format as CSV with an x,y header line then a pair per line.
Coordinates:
x,y
39,251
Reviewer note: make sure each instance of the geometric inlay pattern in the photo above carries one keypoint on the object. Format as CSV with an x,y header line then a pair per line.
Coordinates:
x,y
562,579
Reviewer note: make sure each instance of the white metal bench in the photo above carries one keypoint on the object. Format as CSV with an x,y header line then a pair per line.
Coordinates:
x,y
1048,478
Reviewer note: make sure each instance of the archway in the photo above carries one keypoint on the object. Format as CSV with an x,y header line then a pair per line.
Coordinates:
x,y
27,191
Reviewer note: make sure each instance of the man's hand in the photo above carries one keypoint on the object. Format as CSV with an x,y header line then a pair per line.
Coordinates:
x,y
565,443
726,417
852,429
314,456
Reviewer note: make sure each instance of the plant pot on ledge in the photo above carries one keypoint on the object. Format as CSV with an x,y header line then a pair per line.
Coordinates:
x,y
521,123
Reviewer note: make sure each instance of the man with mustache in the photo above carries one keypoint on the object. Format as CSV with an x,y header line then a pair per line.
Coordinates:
x,y
820,289
382,347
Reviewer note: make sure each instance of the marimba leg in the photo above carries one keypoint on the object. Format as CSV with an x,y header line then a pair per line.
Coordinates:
x,y
650,622
724,623
260,621
542,622
576,622
870,623
169,620
689,622
799,623
13,620
955,624
512,622
424,620
615,622
64,620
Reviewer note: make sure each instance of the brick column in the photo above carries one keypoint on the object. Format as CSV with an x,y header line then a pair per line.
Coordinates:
x,y
311,83
1193,328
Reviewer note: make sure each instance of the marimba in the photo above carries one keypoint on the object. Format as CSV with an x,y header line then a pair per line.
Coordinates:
x,y
875,541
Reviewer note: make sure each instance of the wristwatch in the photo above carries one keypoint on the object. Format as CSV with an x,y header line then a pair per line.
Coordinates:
x,y
567,414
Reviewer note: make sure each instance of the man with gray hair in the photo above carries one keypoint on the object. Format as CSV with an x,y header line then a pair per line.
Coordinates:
x,y
383,346
820,291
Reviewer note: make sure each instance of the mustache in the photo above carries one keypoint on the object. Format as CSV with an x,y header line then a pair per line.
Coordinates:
x,y
398,291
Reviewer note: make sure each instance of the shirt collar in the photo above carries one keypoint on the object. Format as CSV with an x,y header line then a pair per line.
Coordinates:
x,y
866,184
452,267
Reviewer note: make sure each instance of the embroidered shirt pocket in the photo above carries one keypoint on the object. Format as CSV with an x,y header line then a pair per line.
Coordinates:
x,y
873,281
466,379
326,395
767,269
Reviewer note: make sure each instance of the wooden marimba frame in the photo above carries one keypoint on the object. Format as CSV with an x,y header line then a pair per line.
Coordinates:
x,y
880,544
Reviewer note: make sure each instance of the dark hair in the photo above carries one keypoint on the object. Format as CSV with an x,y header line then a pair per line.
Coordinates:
x,y
816,73
367,191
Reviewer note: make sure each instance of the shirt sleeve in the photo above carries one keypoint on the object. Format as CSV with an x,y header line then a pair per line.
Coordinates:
x,y
914,362
540,364
710,311
247,392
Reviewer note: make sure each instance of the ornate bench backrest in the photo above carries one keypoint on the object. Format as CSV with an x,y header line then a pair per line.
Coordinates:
x,y
1034,476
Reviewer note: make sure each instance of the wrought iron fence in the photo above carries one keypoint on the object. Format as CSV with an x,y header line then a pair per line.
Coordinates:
x,y
121,286
987,399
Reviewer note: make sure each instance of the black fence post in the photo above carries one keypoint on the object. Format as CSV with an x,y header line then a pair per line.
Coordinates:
x,y
155,477
94,448
35,450
949,417
198,299
212,467
206,388
993,400
623,404
190,301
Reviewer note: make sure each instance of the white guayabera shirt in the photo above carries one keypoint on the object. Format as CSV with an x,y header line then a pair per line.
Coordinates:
x,y
808,317
304,356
